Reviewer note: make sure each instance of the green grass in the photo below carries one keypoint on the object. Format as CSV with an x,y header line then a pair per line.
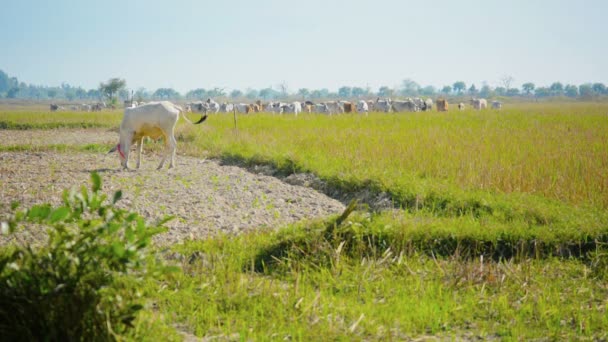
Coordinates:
x,y
322,291
501,232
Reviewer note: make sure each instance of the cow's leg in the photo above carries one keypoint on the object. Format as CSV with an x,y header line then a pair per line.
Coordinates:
x,y
140,148
173,146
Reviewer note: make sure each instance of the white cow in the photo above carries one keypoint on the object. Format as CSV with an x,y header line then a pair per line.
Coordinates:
x,y
334,107
241,107
404,106
212,106
154,120
461,106
226,107
294,107
479,104
362,107
496,104
382,105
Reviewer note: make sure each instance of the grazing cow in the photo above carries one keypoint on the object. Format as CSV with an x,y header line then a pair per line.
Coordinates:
x,y
307,108
348,107
241,107
479,103
155,120
295,107
212,106
197,107
54,107
442,105
382,105
461,106
98,106
320,108
226,107
362,107
496,105
427,104
334,107
404,106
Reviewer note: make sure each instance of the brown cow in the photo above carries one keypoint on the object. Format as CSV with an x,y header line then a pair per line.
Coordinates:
x,y
442,105
348,107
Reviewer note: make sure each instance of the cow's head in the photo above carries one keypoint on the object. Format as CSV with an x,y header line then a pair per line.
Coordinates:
x,y
122,154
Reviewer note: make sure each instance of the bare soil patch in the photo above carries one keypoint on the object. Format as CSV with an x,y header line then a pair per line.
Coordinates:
x,y
204,196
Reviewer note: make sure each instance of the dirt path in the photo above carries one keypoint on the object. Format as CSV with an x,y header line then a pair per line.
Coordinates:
x,y
205,197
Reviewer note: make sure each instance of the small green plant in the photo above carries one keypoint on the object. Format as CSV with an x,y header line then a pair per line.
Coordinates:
x,y
81,285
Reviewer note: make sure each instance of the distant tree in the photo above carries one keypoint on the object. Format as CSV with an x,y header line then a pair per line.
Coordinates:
x,y
345,92
304,93
112,87
216,92
409,87
500,91
319,93
80,93
446,89
142,94
599,88
586,90
198,93
358,92
528,88
485,91
123,94
51,93
472,90
557,89
284,89
4,82
542,92
428,91
251,94
506,81
70,94
385,91
166,94
94,94
236,93
571,90
12,93
266,93
459,87
512,92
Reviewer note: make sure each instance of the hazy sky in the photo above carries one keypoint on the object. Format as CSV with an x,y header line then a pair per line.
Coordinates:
x,y
306,44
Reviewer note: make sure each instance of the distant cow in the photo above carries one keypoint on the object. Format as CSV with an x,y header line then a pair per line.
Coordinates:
x,y
382,105
362,107
348,107
212,106
334,107
404,106
461,106
54,107
496,105
442,105
479,103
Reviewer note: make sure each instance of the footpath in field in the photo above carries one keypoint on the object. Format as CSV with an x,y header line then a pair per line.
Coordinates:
x,y
204,196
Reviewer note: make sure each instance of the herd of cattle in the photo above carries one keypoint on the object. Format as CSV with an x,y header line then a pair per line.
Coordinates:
x,y
327,107
334,107
158,119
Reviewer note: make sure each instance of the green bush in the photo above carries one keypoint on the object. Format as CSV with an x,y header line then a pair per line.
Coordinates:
x,y
81,285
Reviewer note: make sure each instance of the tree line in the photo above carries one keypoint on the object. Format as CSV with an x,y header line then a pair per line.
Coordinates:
x,y
115,89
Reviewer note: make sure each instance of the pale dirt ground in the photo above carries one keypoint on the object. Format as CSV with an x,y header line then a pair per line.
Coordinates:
x,y
204,196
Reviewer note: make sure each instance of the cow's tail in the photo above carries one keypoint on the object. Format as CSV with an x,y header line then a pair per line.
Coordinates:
x,y
183,113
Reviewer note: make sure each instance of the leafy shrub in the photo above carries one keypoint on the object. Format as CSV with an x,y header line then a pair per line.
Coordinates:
x,y
82,285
